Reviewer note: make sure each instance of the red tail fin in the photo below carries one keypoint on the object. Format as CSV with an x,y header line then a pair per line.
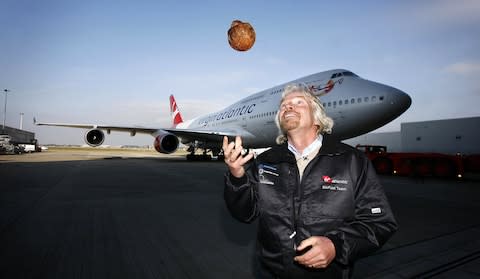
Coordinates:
x,y
177,118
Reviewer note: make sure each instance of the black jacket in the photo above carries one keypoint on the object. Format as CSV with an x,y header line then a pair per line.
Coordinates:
x,y
339,197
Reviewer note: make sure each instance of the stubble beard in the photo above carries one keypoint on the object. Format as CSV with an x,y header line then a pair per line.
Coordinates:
x,y
289,124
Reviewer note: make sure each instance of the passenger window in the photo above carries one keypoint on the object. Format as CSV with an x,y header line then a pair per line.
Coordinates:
x,y
374,98
340,102
381,98
366,99
359,100
346,102
334,103
329,104
352,101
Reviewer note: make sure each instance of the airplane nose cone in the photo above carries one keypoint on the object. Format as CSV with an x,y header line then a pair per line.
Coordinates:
x,y
404,100
399,99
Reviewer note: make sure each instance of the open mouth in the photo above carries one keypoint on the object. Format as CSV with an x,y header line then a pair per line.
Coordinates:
x,y
290,115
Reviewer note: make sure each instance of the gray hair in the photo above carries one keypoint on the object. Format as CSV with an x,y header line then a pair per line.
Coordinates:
x,y
320,118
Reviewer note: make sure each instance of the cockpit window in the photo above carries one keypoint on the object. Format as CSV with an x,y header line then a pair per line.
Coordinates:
x,y
349,74
346,73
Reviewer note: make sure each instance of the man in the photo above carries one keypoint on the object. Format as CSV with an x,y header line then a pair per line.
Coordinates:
x,y
319,202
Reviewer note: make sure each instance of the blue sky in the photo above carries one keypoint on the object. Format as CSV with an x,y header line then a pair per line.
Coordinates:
x,y
116,62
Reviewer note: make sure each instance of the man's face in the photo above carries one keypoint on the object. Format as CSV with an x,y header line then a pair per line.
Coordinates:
x,y
295,113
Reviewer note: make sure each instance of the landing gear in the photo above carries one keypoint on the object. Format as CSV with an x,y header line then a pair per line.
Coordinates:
x,y
198,157
204,156
219,154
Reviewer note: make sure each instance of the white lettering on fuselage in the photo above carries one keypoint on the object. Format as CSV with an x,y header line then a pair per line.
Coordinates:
x,y
227,114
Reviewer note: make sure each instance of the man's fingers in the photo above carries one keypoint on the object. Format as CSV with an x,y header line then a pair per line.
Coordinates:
x,y
233,158
225,143
309,242
238,142
229,151
319,261
305,243
231,146
321,253
247,158
232,152
315,257
227,147
305,257
235,155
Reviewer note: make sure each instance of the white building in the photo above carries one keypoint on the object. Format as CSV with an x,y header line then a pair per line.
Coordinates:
x,y
450,136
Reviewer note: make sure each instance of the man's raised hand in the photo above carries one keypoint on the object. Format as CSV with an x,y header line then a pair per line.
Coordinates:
x,y
233,156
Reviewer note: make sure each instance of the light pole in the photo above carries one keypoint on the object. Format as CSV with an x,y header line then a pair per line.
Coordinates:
x,y
21,120
5,109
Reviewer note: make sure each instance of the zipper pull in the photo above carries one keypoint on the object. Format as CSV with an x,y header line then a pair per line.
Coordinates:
x,y
291,237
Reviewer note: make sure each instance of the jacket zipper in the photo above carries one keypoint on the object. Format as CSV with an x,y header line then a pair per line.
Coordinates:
x,y
294,209
300,199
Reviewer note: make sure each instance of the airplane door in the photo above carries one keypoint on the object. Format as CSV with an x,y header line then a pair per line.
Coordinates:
x,y
243,122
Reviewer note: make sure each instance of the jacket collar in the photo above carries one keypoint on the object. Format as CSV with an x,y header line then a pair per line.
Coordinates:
x,y
332,146
280,153
315,145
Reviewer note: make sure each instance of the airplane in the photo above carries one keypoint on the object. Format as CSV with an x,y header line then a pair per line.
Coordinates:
x,y
356,105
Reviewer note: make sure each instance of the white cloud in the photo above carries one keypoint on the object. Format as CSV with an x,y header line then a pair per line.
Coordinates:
x,y
464,68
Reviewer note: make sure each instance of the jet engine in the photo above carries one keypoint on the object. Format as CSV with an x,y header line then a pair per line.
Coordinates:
x,y
94,137
165,142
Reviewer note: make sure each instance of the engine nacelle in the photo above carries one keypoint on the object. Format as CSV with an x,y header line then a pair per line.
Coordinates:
x,y
165,142
94,137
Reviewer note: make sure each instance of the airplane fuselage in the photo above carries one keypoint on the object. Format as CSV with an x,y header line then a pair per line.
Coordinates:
x,y
356,105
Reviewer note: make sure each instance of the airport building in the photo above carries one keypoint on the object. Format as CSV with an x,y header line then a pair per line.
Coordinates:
x,y
449,136
17,135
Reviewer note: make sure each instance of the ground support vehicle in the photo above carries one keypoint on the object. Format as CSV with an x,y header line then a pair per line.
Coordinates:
x,y
413,163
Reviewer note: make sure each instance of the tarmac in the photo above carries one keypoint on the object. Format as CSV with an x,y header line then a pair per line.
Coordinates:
x,y
119,214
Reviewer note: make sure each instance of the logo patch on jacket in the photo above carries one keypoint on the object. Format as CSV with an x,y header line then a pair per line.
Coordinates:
x,y
327,179
266,173
332,184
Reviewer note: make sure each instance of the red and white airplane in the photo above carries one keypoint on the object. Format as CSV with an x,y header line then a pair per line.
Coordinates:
x,y
356,105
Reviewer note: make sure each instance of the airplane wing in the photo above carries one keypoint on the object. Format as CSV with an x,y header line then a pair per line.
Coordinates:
x,y
130,129
187,135
190,135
